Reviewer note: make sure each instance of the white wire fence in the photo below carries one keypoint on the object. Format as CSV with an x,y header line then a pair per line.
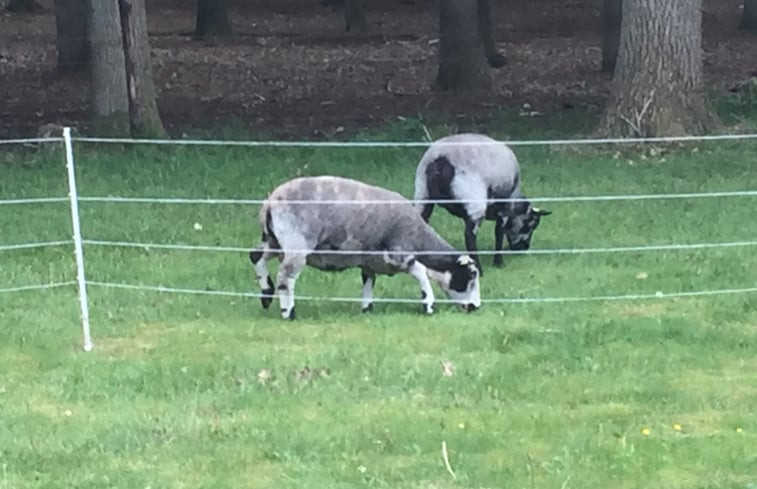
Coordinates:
x,y
402,300
78,241
578,198
547,251
420,144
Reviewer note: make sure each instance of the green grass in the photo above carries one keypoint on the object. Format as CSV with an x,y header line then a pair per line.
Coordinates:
x,y
542,395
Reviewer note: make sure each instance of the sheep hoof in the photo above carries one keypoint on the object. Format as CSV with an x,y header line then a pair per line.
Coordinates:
x,y
291,315
428,308
266,301
368,308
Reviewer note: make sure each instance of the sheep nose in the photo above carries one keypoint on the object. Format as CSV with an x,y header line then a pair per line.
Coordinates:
x,y
471,307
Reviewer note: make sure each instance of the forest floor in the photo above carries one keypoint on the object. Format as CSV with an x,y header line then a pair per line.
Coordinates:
x,y
292,71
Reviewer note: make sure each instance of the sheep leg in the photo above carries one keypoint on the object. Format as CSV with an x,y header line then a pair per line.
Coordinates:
x,y
499,235
259,258
426,211
471,230
418,270
291,266
369,280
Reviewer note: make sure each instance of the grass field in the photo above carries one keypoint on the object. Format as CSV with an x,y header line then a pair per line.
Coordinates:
x,y
190,391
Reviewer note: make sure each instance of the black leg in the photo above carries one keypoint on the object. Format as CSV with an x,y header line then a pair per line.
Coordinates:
x,y
499,235
426,211
267,294
471,229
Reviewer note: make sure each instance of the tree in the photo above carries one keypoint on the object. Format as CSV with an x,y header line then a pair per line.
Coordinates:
x,y
612,16
143,108
212,19
73,46
493,56
658,87
749,16
110,104
23,6
354,15
462,63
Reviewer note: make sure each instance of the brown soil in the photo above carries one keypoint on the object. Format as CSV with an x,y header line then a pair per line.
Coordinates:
x,y
291,70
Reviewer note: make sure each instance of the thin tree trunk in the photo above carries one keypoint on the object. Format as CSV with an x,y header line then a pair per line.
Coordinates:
x,y
657,88
212,19
613,10
73,45
462,62
23,6
110,104
493,56
143,108
749,16
354,16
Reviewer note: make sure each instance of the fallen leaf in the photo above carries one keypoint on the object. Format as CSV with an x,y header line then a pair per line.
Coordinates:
x,y
264,376
448,369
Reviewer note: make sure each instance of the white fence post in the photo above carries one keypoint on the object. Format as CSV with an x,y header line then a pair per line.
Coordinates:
x,y
74,198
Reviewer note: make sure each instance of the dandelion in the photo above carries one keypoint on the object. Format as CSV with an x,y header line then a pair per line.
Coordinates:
x,y
198,226
362,469
677,427
645,431
68,412
739,430
461,426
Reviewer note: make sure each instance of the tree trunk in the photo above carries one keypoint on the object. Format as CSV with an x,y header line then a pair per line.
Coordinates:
x,y
749,16
110,104
143,108
612,17
657,88
212,19
354,16
494,57
23,6
462,62
73,46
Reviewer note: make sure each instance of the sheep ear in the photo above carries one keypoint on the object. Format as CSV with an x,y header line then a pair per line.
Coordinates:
x,y
541,212
465,260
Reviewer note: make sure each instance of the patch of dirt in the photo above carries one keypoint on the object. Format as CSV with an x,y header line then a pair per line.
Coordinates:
x,y
292,71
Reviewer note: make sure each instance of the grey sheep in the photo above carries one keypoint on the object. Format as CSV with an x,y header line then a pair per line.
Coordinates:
x,y
477,169
307,216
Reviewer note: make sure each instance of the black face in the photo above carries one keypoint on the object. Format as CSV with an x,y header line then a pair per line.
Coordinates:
x,y
462,275
461,284
521,224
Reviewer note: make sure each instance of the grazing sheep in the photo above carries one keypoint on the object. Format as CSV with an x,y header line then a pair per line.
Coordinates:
x,y
386,238
476,169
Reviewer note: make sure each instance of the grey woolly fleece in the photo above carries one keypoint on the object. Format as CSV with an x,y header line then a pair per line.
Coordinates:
x,y
396,227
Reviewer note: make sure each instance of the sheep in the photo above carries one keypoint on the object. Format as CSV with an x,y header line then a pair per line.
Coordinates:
x,y
476,169
392,238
